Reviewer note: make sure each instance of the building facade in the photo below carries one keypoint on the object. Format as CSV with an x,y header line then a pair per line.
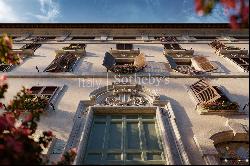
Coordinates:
x,y
138,93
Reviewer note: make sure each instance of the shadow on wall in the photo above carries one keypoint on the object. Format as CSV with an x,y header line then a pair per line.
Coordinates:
x,y
185,128
243,101
60,96
222,67
158,48
83,66
59,121
90,54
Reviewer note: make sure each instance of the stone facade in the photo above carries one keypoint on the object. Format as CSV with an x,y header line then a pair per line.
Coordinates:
x,y
189,138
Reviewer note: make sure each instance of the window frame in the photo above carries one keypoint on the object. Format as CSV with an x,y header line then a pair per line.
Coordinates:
x,y
42,90
124,151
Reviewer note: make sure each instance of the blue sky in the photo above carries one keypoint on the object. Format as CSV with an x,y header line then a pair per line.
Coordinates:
x,y
105,11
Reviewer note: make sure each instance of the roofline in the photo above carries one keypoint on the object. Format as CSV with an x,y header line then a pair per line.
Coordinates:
x,y
119,25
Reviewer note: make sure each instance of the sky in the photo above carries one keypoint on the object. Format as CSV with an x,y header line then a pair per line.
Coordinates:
x,y
105,11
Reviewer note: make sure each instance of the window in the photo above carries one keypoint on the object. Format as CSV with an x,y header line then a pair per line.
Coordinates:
x,y
47,91
42,38
75,46
173,46
83,38
124,38
124,46
242,62
182,65
204,92
206,37
124,139
5,67
241,37
31,46
66,62
14,37
204,63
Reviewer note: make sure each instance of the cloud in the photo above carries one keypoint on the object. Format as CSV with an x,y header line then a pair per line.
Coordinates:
x,y
7,13
50,10
12,11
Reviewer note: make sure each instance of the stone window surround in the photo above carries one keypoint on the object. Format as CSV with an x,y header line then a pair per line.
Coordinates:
x,y
206,141
160,115
163,109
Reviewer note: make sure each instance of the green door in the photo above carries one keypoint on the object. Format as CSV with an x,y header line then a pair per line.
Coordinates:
x,y
124,139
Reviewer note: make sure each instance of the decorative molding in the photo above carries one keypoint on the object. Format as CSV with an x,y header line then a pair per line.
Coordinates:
x,y
232,131
124,94
173,147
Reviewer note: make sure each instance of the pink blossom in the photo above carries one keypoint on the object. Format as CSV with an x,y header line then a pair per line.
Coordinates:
x,y
28,91
25,131
233,22
28,117
10,119
7,41
17,146
48,133
11,102
3,78
3,123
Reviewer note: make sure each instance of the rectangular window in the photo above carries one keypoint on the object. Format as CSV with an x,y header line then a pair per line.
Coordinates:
x,y
241,37
63,62
173,46
124,46
75,46
42,38
47,91
83,38
31,46
124,38
13,37
5,68
206,37
124,139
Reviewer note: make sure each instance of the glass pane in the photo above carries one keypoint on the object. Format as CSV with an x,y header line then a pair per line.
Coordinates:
x,y
97,136
154,156
114,156
133,156
132,116
150,136
147,116
49,90
133,141
116,117
100,117
36,89
93,157
115,136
